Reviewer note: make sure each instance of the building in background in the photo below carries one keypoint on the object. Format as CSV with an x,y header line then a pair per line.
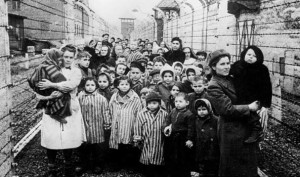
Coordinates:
x,y
127,26
46,24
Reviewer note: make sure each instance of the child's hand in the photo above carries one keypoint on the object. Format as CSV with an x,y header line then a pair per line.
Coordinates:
x,y
189,143
168,130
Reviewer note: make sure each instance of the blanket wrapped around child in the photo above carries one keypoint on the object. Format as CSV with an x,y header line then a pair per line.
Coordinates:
x,y
57,108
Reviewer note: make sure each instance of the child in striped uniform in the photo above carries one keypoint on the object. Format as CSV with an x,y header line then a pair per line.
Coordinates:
x,y
148,130
95,112
124,106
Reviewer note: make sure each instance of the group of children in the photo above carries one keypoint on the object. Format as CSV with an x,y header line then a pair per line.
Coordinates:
x,y
147,110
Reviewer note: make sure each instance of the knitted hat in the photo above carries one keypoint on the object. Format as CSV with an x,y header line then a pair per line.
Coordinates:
x,y
214,57
166,68
136,64
153,72
153,96
205,103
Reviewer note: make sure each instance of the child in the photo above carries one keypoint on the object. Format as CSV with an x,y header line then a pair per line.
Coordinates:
x,y
147,131
124,106
95,112
144,92
104,82
164,87
158,62
198,85
101,69
252,83
83,64
136,70
178,87
149,67
112,75
190,74
121,69
206,143
154,76
121,59
178,68
179,130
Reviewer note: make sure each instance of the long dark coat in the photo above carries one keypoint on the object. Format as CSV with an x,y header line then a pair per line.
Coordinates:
x,y
172,56
236,158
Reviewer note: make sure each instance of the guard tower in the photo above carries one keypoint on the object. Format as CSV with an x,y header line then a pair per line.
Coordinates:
x,y
127,26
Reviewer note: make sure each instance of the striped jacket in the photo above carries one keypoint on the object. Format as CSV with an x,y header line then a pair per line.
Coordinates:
x,y
148,129
123,118
96,116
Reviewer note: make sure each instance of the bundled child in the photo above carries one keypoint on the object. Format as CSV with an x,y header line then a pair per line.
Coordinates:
x,y
164,87
178,68
179,130
148,132
252,82
95,112
199,86
136,71
124,107
206,141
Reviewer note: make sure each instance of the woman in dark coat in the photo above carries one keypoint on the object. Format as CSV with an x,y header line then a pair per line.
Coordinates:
x,y
236,158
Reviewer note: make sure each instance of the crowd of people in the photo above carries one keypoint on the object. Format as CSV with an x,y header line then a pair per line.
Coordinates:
x,y
166,109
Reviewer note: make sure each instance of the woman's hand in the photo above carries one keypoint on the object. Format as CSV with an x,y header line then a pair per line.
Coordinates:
x,y
45,84
254,106
56,94
264,117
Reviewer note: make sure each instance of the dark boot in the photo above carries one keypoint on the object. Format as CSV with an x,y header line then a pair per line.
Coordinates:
x,y
256,133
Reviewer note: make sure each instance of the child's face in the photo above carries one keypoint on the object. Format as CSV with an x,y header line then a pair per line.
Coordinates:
x,y
180,102
190,75
250,56
177,70
84,62
187,52
121,60
153,105
146,53
167,78
202,111
124,86
121,69
160,52
103,82
149,68
135,74
158,65
156,77
174,91
198,86
90,86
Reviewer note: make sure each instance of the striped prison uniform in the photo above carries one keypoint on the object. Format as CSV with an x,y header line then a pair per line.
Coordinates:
x,y
124,112
148,129
133,56
96,115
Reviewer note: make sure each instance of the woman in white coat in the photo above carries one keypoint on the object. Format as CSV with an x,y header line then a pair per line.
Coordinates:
x,y
56,135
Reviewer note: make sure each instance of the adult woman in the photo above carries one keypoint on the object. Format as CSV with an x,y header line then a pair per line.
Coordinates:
x,y
66,136
236,157
190,57
101,58
117,51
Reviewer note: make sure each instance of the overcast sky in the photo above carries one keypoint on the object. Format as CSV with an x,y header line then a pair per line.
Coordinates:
x,y
112,10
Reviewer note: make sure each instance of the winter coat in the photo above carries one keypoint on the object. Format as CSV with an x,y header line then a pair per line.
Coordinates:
x,y
123,118
206,141
107,93
236,158
172,56
137,87
252,81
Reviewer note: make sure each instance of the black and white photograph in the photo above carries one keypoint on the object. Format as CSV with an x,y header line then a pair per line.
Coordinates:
x,y
150,88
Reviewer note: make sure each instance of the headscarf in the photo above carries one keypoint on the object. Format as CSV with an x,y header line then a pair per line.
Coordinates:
x,y
205,102
53,56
